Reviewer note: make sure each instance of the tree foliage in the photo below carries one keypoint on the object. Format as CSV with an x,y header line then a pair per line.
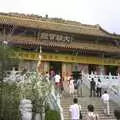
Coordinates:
x,y
9,102
6,61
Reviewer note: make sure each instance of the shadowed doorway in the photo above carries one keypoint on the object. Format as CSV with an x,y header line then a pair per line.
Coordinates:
x,y
56,66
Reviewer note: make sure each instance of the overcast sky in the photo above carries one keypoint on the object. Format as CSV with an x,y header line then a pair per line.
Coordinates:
x,y
106,13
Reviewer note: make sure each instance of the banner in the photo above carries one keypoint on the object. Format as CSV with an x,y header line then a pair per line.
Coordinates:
x,y
68,58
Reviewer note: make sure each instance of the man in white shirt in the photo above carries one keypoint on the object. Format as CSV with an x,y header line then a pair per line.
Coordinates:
x,y
57,78
57,81
105,97
75,110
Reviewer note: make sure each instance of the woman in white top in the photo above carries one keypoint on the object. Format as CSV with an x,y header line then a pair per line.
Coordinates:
x,y
71,86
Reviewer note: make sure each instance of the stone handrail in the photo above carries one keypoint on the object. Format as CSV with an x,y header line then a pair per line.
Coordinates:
x,y
109,83
55,97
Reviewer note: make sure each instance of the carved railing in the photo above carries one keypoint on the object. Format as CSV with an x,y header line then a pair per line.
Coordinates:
x,y
109,82
54,98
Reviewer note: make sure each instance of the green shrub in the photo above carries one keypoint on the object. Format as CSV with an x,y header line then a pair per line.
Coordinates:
x,y
9,102
52,115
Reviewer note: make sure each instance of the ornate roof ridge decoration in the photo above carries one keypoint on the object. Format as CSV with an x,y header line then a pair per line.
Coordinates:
x,y
55,24
37,17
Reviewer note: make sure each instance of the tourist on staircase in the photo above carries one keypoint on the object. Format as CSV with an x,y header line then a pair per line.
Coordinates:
x,y
92,88
91,115
105,99
79,84
71,86
79,87
75,110
66,86
57,78
99,88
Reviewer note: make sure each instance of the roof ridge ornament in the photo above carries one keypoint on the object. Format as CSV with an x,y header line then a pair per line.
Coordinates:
x,y
98,26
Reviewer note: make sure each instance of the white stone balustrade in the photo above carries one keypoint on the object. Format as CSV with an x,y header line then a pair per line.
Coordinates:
x,y
105,79
109,82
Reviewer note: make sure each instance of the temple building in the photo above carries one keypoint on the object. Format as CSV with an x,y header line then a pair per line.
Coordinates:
x,y
65,46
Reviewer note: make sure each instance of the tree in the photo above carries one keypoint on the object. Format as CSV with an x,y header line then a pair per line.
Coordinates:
x,y
6,62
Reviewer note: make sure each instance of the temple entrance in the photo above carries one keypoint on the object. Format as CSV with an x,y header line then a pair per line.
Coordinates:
x,y
56,67
91,68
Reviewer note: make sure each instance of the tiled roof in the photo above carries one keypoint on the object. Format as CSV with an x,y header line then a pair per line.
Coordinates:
x,y
73,45
47,24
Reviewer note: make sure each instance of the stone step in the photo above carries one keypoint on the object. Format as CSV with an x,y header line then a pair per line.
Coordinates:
x,y
67,100
84,101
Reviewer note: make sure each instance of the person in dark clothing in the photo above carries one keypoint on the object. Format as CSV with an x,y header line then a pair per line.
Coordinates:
x,y
117,114
92,87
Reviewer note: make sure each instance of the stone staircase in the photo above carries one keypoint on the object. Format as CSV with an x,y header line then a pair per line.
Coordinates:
x,y
66,101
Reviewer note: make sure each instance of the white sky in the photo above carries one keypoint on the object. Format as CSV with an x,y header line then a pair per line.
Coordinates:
x,y
103,12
